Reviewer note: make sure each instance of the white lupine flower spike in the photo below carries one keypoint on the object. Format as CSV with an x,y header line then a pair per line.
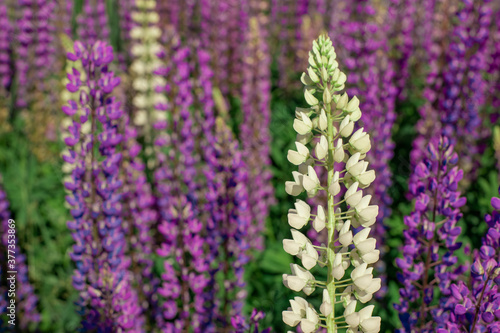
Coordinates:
x,y
327,135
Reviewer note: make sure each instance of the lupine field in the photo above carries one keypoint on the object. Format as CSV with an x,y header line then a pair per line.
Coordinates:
x,y
249,166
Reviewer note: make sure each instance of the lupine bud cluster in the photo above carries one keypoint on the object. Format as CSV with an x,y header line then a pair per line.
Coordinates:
x,y
475,304
107,300
24,295
430,240
327,127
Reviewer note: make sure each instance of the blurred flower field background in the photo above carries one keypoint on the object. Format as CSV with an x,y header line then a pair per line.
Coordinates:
x,y
234,66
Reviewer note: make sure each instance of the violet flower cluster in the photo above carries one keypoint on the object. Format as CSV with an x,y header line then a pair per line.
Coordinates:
x,y
310,19
403,14
255,136
24,310
185,281
432,51
93,22
26,38
139,219
242,325
6,63
229,223
494,67
288,15
36,34
430,240
107,300
457,92
126,11
223,35
365,48
464,77
5,49
475,305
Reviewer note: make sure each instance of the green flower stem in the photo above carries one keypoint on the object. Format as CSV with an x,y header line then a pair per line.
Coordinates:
x,y
330,322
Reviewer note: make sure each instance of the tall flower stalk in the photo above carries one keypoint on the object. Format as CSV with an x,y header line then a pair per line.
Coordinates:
x,y
229,223
107,301
255,137
430,240
139,216
333,119
185,282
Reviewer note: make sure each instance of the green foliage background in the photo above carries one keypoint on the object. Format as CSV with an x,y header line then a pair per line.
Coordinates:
x,y
36,194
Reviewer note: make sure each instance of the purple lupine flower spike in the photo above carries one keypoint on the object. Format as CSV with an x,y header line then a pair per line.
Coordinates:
x,y
461,118
93,22
6,63
5,49
402,13
371,77
255,136
494,68
230,219
35,40
186,281
36,62
26,300
107,299
430,239
126,10
138,221
457,92
26,38
211,203
365,49
475,305
63,17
